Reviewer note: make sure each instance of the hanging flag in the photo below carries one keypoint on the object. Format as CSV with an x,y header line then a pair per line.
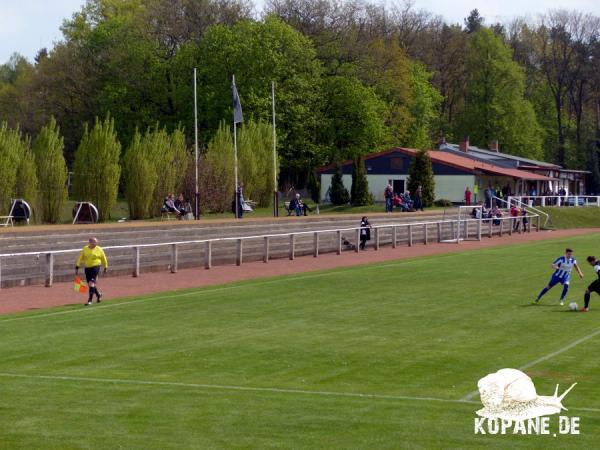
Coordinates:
x,y
238,117
79,286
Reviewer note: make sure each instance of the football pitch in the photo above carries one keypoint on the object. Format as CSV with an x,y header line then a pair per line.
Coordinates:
x,y
378,356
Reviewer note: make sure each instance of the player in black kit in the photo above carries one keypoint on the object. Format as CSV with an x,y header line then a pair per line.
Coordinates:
x,y
595,286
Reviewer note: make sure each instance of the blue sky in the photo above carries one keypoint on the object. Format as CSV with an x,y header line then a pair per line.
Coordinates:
x,y
28,25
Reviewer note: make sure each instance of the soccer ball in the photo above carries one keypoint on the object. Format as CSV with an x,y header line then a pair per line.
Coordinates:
x,y
573,306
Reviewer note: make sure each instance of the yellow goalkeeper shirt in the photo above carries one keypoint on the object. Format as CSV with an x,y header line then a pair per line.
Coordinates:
x,y
92,257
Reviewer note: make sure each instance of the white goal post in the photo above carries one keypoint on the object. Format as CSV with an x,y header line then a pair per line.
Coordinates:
x,y
460,229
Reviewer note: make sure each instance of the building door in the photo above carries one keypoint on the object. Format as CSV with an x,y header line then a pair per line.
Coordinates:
x,y
399,186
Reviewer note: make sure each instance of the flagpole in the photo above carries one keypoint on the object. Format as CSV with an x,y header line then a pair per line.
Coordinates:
x,y
196,193
235,164
275,193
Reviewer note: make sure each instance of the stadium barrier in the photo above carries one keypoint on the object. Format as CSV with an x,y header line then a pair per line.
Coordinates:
x,y
446,230
558,200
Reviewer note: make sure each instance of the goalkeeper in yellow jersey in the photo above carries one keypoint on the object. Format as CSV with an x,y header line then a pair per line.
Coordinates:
x,y
93,258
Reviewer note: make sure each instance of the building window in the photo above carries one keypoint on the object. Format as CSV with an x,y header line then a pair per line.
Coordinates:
x,y
396,163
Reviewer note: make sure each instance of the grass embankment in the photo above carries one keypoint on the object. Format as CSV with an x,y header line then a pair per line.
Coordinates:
x,y
570,217
366,357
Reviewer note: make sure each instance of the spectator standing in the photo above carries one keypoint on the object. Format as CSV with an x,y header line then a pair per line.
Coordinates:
x,y
388,193
467,196
419,198
488,196
365,232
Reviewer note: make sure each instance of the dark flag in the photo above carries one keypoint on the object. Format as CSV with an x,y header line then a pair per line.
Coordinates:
x,y
237,106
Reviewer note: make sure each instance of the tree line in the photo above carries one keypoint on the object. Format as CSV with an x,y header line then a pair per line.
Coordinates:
x,y
351,78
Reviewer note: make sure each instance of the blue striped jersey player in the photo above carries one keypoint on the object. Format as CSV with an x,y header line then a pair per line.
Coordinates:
x,y
562,274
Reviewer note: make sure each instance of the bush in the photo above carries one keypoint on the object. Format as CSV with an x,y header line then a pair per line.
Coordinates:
x,y
442,202
360,195
51,172
96,169
26,186
338,194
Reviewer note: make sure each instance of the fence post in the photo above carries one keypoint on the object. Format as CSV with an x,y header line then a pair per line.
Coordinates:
x,y
439,231
208,254
598,201
576,201
501,226
357,239
316,244
238,252
266,250
479,229
173,258
453,232
376,238
136,262
539,221
49,269
339,242
410,236
466,222
292,238
394,236
425,234
543,202
490,231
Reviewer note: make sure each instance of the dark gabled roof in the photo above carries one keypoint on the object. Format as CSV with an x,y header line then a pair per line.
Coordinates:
x,y
453,160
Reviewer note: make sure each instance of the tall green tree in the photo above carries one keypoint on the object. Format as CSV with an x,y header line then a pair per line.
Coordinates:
x,y
495,106
27,181
425,108
140,175
216,172
255,155
359,192
11,148
96,169
420,173
258,53
51,171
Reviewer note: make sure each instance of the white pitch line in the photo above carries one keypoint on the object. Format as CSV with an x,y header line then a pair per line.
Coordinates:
x,y
564,349
230,388
249,389
163,297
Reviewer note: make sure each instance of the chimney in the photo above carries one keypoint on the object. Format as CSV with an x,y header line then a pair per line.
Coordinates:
x,y
464,145
494,146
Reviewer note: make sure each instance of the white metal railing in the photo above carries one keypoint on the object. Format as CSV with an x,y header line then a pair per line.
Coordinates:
x,y
518,202
239,240
559,200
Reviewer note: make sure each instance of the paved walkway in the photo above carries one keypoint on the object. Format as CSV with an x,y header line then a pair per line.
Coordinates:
x,y
35,297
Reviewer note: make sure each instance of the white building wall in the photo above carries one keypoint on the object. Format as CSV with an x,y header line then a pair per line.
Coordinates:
x,y
449,187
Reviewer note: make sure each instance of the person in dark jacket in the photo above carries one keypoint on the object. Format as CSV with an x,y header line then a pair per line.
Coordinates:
x,y
365,232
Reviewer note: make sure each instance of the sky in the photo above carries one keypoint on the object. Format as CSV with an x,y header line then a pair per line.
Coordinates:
x,y
28,25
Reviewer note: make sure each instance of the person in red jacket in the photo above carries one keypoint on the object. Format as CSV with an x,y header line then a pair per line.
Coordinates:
x,y
467,197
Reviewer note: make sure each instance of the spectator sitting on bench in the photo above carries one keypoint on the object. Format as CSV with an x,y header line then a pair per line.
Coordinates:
x,y
169,206
295,206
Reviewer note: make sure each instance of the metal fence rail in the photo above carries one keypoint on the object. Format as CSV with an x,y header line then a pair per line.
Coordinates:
x,y
414,233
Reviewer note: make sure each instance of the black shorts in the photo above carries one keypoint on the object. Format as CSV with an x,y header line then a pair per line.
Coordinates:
x,y
595,287
91,274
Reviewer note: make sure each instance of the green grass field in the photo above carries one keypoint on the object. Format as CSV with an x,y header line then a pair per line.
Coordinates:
x,y
367,357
